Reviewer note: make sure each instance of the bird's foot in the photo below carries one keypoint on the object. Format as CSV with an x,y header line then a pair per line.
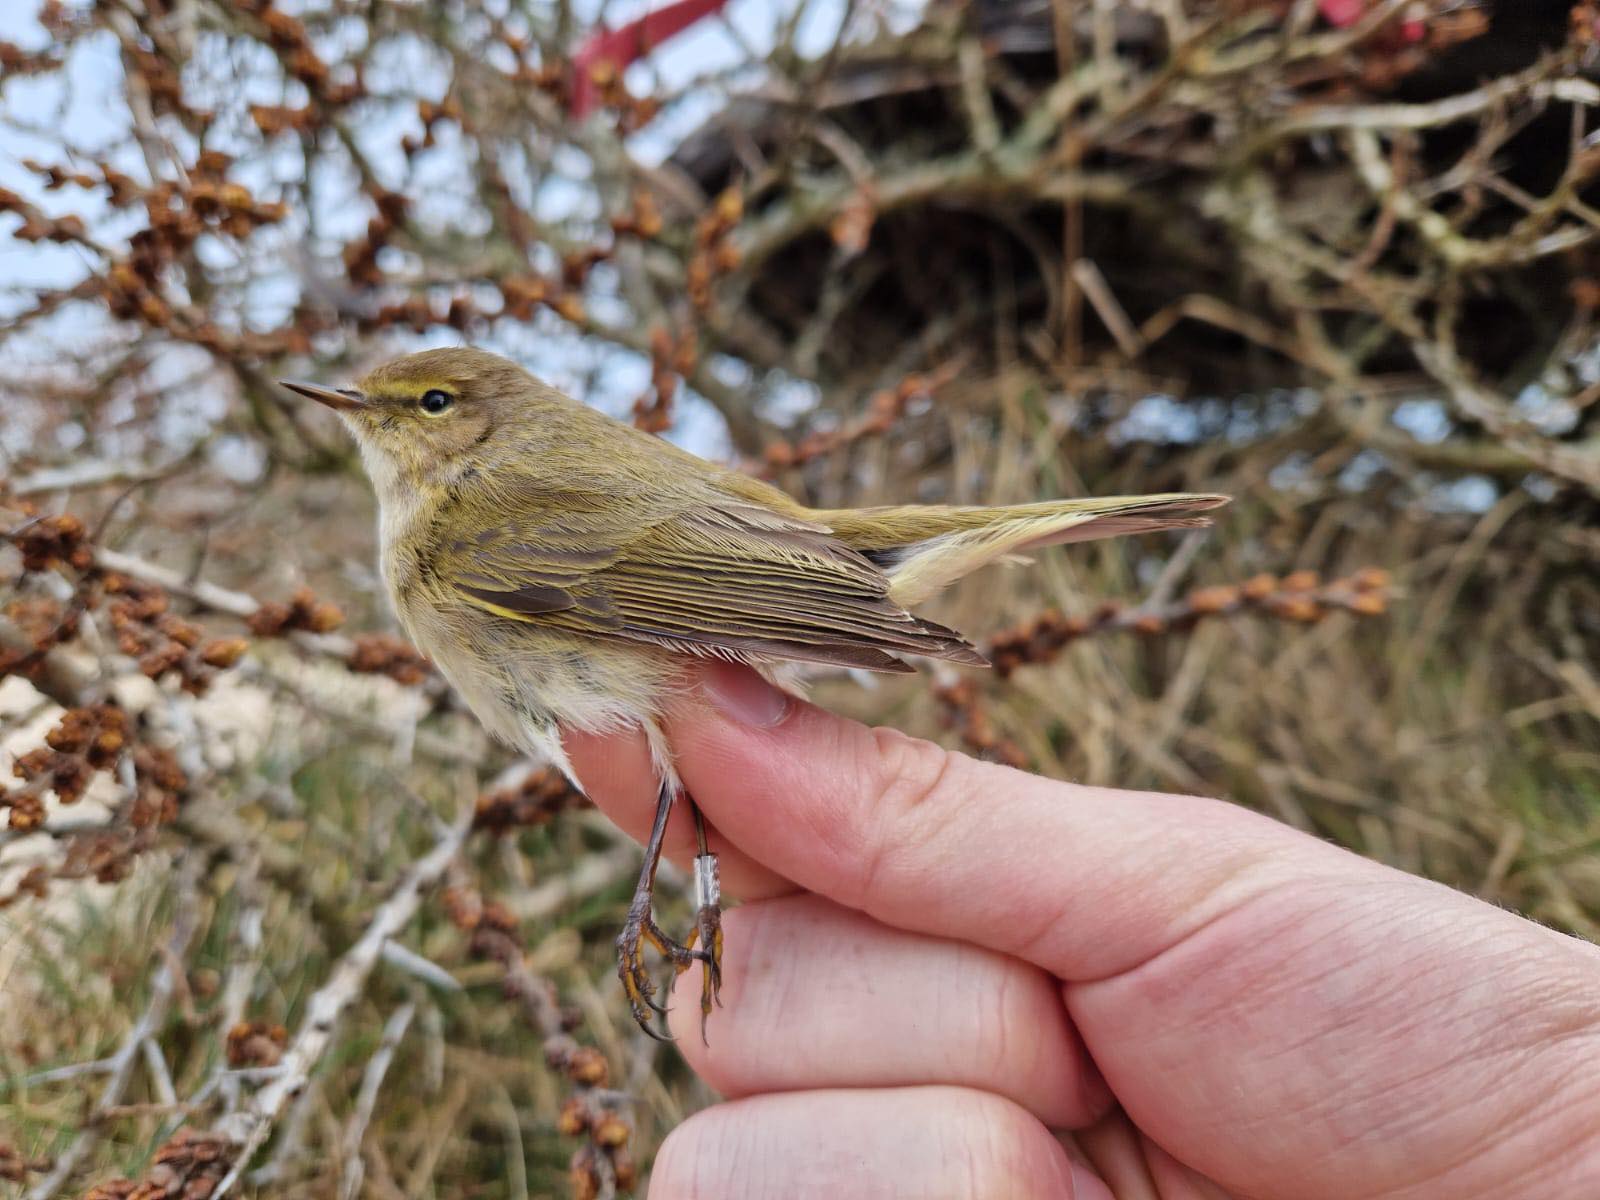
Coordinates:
x,y
708,933
638,931
640,928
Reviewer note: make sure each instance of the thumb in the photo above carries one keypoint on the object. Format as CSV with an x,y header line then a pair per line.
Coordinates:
x,y
1086,882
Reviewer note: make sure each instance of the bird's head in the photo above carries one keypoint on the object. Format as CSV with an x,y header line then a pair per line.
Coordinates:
x,y
427,418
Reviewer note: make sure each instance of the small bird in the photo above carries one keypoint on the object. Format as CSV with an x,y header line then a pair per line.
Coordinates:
x,y
559,566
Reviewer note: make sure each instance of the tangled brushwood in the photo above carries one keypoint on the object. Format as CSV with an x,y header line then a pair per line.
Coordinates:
x,y
275,916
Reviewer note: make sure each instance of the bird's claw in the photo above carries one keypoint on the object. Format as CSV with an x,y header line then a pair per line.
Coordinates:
x,y
638,931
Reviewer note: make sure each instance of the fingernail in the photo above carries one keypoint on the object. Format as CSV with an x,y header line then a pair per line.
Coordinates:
x,y
744,696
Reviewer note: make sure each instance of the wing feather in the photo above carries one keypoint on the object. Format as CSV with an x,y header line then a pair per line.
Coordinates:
x,y
722,577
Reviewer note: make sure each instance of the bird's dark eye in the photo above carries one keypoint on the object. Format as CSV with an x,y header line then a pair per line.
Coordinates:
x,y
434,401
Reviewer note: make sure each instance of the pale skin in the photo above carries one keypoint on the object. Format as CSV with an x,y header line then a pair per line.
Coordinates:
x,y
942,967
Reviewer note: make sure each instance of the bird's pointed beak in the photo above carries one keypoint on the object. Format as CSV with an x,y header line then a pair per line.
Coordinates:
x,y
338,399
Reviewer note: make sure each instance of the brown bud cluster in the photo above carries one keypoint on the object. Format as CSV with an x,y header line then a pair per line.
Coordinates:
x,y
85,740
1299,597
523,295
430,114
256,1044
385,654
576,264
150,281
715,254
573,1118
851,229
279,118
88,739
886,407
642,220
188,1167
15,1166
591,1166
158,639
223,653
303,613
43,623
671,357
136,285
535,801
103,857
51,542
161,784
161,80
232,208
548,77
56,177
43,620
962,708
471,913
161,641
360,257
144,628
96,732
630,112
585,1065
37,226
97,737
26,804
287,35
493,938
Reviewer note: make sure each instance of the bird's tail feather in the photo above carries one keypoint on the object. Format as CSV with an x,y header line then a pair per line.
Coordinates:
x,y
924,549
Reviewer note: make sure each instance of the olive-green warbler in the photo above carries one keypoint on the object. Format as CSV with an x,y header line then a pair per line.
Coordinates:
x,y
558,566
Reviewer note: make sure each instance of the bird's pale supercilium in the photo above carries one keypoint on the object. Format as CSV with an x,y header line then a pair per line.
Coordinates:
x,y
558,566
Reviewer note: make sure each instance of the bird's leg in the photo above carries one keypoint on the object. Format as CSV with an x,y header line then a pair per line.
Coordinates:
x,y
641,928
707,919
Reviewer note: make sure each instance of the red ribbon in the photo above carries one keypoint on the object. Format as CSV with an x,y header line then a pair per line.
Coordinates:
x,y
619,47
1348,12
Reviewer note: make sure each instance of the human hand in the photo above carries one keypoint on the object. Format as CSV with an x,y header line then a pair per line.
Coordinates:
x,y
941,962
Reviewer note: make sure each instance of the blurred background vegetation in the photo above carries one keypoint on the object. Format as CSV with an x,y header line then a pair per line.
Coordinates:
x,y
277,919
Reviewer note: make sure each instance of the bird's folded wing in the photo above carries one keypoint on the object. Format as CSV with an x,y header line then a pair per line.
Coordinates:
x,y
730,579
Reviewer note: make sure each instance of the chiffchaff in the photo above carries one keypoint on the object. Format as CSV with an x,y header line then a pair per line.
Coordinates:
x,y
558,566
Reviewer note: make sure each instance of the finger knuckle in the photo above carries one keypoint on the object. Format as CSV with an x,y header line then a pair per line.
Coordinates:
x,y
909,773
912,782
